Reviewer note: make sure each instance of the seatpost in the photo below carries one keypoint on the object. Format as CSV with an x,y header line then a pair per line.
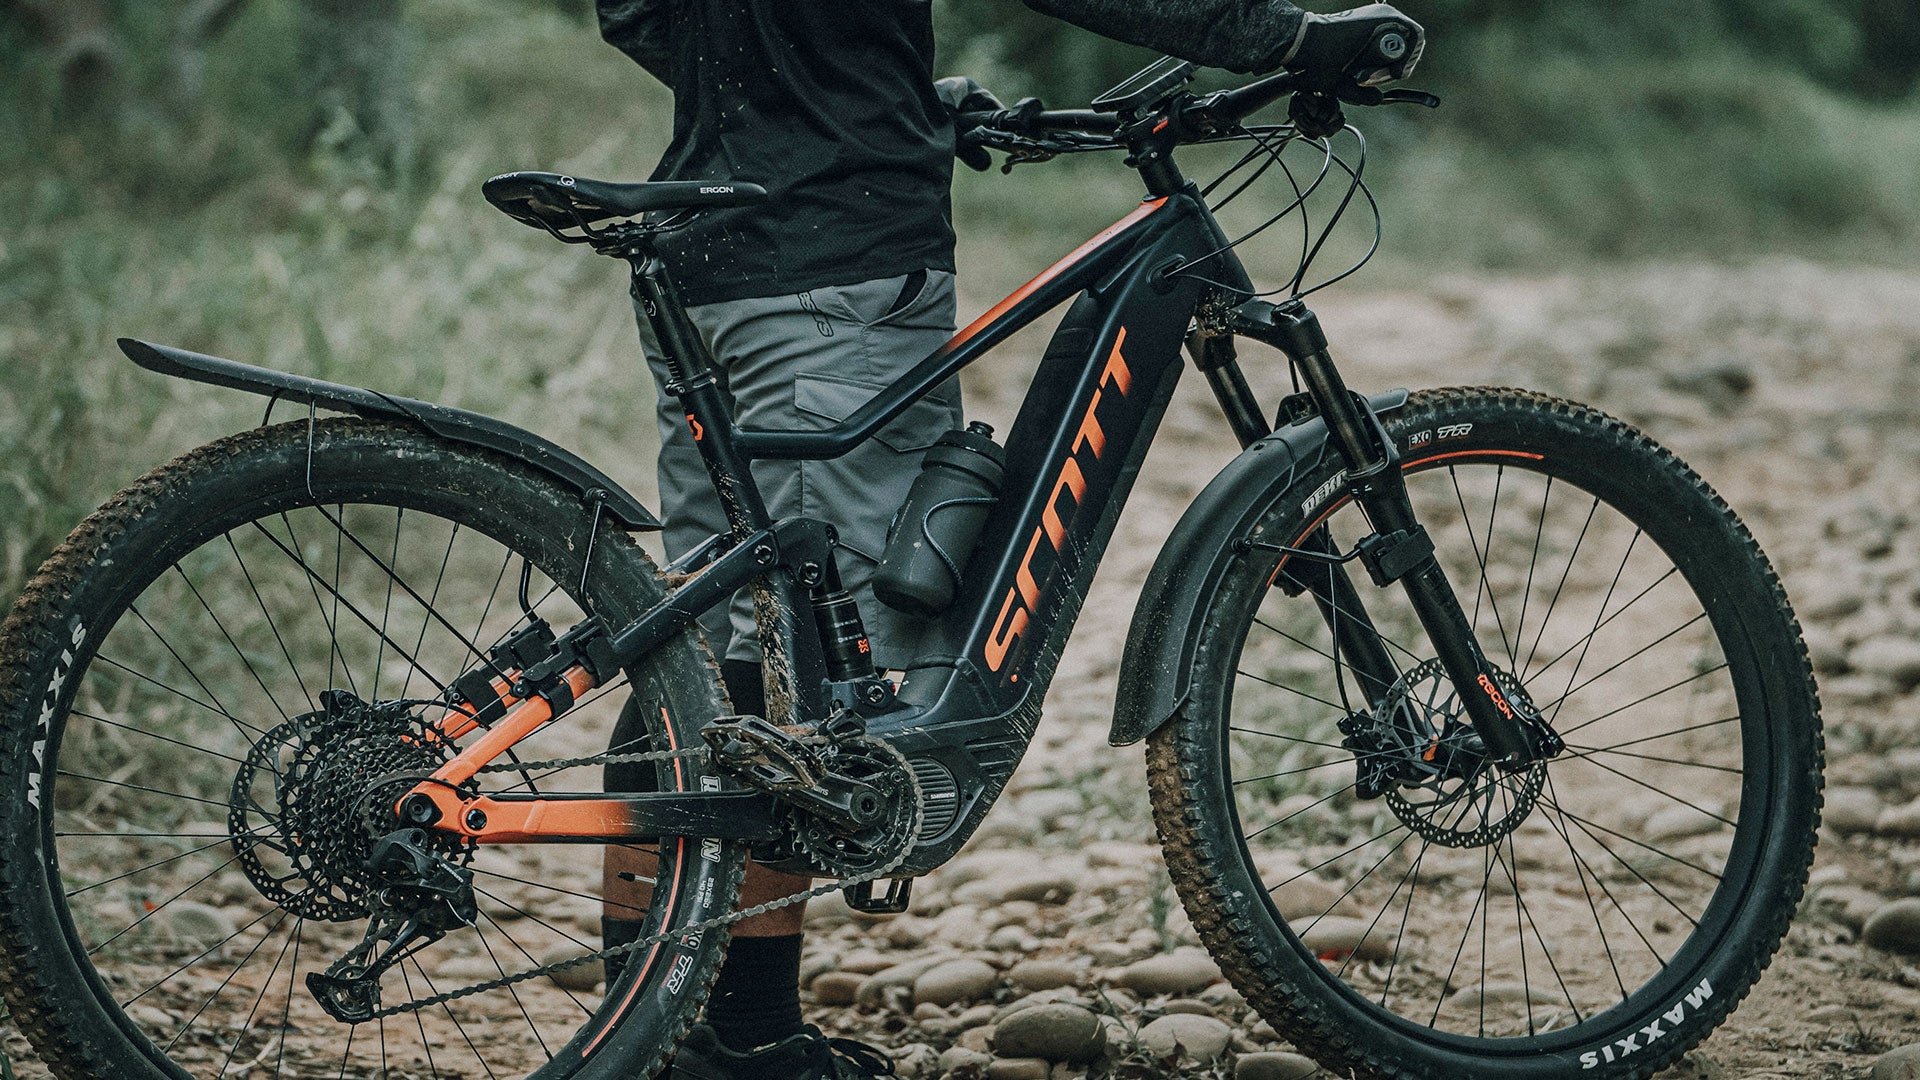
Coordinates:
x,y
690,370
1399,549
791,659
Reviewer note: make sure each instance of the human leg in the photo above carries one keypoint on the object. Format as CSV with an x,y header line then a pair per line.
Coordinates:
x,y
803,361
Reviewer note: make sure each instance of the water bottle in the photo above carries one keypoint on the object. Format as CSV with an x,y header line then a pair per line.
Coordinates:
x,y
934,533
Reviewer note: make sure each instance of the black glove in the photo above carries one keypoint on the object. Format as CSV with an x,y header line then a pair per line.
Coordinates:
x,y
961,94
1366,46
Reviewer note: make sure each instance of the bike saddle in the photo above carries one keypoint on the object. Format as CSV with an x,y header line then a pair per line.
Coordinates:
x,y
551,201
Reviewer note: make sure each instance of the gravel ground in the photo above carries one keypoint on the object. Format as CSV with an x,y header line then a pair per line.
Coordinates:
x,y
1054,946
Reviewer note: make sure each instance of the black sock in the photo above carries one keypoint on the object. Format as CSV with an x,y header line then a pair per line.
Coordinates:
x,y
756,999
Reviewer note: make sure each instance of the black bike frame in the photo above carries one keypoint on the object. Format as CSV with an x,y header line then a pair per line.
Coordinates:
x,y
966,709
1073,453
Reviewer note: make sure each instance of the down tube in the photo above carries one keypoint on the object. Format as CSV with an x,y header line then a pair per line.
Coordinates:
x,y
1073,454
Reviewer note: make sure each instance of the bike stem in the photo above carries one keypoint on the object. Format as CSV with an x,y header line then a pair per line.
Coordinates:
x,y
1398,549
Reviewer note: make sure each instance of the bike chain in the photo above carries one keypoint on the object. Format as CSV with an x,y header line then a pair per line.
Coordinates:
x,y
654,939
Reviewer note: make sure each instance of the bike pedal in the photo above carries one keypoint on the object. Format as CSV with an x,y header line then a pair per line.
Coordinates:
x,y
894,901
760,754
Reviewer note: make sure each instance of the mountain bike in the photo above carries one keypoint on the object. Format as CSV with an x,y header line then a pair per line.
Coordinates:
x,y
1481,739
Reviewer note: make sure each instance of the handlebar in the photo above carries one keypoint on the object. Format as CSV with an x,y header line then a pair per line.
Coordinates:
x,y
1031,133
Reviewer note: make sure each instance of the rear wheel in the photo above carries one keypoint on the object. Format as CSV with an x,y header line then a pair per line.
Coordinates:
x,y
1394,902
210,691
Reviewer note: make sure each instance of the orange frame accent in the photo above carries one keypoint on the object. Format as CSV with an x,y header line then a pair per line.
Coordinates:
x,y
1099,240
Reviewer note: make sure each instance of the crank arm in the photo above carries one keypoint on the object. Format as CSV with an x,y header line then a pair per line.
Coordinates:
x,y
639,817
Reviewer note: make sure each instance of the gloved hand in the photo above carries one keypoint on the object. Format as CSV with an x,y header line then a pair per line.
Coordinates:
x,y
1367,46
961,94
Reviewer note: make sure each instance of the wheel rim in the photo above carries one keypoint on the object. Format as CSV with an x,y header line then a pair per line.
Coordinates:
x,y
1609,885
239,638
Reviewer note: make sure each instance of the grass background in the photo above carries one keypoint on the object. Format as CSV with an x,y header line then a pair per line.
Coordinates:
x,y
228,223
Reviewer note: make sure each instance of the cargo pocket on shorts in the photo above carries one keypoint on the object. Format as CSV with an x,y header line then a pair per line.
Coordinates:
x,y
860,491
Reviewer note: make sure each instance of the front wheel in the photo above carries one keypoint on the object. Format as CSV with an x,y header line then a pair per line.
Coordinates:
x,y
1393,901
209,694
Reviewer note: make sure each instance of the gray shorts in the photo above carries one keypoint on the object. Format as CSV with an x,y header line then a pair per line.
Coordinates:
x,y
807,362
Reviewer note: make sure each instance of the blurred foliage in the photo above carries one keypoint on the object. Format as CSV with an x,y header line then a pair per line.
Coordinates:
x,y
176,172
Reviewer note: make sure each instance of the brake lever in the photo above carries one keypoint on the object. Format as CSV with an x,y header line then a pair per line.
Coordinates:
x,y
1370,95
1020,116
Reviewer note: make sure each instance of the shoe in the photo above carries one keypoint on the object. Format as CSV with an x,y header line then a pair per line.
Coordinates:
x,y
809,1055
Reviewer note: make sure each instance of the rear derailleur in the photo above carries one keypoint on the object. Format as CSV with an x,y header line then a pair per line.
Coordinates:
x,y
420,897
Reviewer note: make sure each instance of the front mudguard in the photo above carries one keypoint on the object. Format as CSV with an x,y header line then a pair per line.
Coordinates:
x,y
1166,622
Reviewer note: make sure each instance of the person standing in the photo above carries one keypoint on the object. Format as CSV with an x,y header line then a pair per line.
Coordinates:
x,y
814,300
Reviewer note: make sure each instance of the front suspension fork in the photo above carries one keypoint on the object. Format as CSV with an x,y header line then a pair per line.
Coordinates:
x,y
1397,550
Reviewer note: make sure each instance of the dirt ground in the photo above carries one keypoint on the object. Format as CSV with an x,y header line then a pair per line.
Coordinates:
x,y
1790,387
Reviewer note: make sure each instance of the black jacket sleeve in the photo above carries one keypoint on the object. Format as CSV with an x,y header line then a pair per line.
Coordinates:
x,y
641,29
1247,36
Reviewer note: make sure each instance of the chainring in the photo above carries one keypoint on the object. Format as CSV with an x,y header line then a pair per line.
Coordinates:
x,y
298,808
830,851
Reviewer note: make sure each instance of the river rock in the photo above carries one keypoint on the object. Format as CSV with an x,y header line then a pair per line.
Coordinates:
x,y
1121,853
1339,936
1182,971
1471,998
195,926
1018,1069
1678,822
1304,897
975,1016
1012,939
1895,927
1201,1038
1851,809
1900,1063
1044,885
1033,975
1901,821
873,991
1223,996
913,1061
837,987
955,1058
1187,1005
578,977
1895,658
1275,1065
815,964
1048,805
955,981
866,962
1054,1032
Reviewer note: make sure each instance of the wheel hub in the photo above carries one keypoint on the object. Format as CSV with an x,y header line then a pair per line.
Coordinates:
x,y
1419,751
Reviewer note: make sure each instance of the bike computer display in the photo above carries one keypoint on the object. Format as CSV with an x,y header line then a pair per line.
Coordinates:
x,y
1148,86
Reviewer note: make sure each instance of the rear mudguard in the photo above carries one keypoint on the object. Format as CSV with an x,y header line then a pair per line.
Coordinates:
x,y
458,425
1178,592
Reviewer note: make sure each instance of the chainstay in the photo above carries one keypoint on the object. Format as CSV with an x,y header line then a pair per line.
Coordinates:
x,y
653,939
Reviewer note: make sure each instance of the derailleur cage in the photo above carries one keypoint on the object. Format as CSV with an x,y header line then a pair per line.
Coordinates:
x,y
420,898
